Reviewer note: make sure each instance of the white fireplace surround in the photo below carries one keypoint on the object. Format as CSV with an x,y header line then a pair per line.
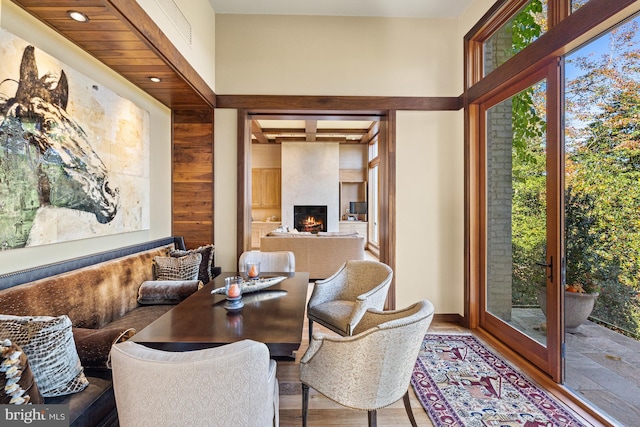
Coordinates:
x,y
310,174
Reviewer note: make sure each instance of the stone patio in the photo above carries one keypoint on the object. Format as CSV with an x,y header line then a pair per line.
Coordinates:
x,y
602,366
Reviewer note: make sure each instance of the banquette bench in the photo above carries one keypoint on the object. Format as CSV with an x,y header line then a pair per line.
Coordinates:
x,y
99,294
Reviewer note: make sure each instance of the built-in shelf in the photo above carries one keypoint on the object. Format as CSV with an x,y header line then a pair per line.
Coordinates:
x,y
352,192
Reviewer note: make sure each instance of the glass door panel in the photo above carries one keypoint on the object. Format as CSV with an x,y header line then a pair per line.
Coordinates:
x,y
520,226
516,210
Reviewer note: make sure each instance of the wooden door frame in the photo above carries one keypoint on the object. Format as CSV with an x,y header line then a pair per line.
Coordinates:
x,y
547,357
386,192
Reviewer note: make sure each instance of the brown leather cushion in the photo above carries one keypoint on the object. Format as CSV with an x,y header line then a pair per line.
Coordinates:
x,y
166,291
15,369
94,345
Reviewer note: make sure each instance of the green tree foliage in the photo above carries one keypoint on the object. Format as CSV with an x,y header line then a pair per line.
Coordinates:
x,y
528,222
529,193
528,112
603,176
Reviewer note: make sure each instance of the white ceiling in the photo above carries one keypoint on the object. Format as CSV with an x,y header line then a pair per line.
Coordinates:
x,y
384,8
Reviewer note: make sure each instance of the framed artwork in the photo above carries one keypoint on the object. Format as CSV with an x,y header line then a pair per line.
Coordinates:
x,y
74,155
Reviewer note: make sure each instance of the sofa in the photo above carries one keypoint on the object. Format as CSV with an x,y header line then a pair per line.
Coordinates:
x,y
320,254
99,294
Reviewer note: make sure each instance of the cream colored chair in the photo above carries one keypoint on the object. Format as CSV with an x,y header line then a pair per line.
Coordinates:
x,y
339,302
372,368
274,262
230,385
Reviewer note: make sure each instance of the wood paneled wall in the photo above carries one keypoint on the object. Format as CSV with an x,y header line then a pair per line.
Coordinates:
x,y
192,178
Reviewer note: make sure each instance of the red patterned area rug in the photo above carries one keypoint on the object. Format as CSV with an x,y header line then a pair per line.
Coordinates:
x,y
460,382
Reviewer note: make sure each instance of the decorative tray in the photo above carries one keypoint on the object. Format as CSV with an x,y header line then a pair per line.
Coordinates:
x,y
254,285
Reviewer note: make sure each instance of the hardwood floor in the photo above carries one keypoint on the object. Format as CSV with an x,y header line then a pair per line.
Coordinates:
x,y
324,412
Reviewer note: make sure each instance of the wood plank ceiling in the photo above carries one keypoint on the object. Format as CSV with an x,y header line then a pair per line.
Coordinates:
x,y
121,35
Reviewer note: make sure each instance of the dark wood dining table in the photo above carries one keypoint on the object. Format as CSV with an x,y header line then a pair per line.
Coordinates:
x,y
274,316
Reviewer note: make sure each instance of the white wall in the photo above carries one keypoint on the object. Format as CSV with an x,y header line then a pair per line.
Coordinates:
x,y
225,178
306,55
430,214
474,12
293,55
23,25
202,50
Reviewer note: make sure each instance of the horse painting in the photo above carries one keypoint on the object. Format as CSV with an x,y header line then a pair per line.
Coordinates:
x,y
45,156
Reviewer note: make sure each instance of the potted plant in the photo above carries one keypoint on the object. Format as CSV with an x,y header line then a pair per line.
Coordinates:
x,y
579,300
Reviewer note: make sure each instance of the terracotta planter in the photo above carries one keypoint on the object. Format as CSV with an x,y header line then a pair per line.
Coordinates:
x,y
577,307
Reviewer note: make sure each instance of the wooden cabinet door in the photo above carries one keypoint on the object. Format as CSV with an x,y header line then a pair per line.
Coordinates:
x,y
256,188
270,188
265,188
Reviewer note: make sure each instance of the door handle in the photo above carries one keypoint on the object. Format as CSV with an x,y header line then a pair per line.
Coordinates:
x,y
549,266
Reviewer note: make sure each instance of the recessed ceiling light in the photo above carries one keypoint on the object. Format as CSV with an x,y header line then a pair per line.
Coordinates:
x,y
77,16
155,79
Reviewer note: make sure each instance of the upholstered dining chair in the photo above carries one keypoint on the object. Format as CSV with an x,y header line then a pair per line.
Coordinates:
x,y
339,301
230,385
372,368
278,261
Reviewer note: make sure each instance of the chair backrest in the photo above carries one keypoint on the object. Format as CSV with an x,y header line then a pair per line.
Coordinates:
x,y
399,340
365,275
226,385
386,353
279,261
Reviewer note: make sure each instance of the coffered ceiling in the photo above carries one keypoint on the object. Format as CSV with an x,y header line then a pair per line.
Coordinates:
x,y
316,130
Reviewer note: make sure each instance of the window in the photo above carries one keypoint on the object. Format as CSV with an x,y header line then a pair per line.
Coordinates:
x,y
576,4
514,35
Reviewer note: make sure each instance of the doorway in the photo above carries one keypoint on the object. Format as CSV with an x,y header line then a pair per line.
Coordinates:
x,y
385,197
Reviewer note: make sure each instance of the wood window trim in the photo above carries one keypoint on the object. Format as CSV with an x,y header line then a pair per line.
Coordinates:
x,y
576,29
587,22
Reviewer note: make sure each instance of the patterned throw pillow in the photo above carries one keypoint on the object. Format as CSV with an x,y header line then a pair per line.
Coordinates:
x,y
17,385
48,343
208,252
183,268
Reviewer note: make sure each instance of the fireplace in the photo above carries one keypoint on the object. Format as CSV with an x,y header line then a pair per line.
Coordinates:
x,y
310,218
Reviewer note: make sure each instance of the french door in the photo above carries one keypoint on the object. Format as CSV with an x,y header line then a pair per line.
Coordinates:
x,y
521,213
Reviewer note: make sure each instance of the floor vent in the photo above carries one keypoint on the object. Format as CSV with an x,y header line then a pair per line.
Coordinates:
x,y
173,12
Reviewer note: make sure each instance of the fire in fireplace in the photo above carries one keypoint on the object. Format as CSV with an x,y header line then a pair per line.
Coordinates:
x,y
310,218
